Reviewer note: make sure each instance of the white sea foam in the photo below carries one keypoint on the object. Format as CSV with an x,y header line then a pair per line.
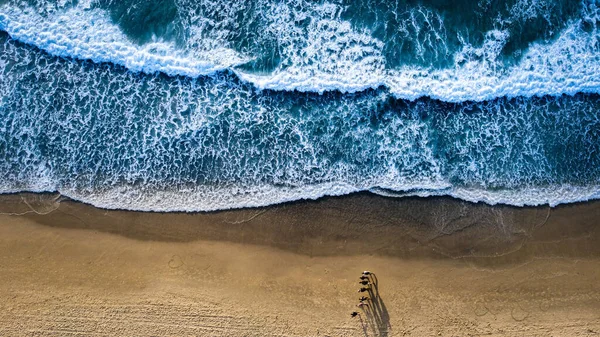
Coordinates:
x,y
89,34
204,199
530,196
406,164
569,65
325,56
330,55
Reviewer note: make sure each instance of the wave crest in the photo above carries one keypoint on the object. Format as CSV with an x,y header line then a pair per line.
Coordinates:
x,y
329,55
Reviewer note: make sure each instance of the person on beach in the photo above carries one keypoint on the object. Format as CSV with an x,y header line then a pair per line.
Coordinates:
x,y
364,283
364,277
362,290
364,298
362,305
354,314
367,273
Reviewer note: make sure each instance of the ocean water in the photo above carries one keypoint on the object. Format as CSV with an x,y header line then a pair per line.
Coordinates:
x,y
184,105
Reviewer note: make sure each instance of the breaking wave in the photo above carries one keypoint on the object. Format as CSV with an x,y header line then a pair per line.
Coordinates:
x,y
218,104
328,54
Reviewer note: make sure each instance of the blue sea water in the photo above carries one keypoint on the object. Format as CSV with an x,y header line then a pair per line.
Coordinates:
x,y
181,105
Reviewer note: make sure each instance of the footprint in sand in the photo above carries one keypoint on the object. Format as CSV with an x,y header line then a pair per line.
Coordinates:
x,y
175,262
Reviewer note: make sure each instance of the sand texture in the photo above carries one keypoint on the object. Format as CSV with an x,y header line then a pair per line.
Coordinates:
x,y
443,267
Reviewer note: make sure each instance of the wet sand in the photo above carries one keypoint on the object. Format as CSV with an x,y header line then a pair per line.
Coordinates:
x,y
444,267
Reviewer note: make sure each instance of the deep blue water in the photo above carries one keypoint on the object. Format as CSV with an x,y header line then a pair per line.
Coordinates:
x,y
183,105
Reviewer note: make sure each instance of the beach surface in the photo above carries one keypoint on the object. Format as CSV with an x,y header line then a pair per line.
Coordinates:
x,y
444,268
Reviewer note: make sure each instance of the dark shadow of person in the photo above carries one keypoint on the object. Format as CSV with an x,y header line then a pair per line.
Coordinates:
x,y
363,326
378,311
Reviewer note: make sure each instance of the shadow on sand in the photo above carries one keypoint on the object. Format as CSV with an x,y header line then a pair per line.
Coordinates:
x,y
376,313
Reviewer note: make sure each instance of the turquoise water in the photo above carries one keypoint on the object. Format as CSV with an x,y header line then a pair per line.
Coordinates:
x,y
181,105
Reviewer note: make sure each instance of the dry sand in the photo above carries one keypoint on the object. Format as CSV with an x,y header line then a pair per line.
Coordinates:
x,y
444,267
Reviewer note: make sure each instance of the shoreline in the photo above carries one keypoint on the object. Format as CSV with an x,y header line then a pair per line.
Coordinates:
x,y
203,201
445,267
414,221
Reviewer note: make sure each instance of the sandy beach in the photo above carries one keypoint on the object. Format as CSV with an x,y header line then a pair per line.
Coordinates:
x,y
444,268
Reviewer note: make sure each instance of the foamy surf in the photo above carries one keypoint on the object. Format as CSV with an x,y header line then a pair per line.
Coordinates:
x,y
88,34
308,103
204,199
322,62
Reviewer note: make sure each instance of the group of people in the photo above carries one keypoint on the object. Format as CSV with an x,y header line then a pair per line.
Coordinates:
x,y
365,282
